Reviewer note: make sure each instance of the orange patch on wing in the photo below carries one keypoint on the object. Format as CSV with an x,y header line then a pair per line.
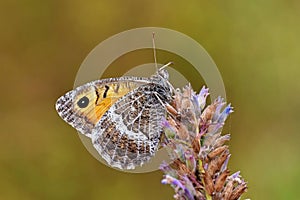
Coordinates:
x,y
103,106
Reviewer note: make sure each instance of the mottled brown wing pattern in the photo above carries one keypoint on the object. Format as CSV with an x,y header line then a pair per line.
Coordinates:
x,y
122,116
128,134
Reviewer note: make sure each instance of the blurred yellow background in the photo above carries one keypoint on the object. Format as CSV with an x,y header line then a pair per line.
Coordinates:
x,y
42,44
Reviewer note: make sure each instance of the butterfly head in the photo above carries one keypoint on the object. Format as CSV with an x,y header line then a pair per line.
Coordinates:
x,y
162,75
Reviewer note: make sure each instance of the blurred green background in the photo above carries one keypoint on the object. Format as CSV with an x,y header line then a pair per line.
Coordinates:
x,y
42,44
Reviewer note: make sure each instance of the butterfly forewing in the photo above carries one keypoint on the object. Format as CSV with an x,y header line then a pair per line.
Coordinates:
x,y
84,106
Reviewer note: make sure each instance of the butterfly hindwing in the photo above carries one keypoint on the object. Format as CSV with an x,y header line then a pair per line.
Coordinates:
x,y
128,134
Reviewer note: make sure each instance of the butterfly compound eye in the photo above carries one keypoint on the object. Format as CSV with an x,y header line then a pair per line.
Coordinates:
x,y
83,102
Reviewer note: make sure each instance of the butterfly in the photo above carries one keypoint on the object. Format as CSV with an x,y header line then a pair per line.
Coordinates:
x,y
122,116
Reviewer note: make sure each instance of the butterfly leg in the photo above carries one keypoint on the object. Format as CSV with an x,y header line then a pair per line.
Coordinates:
x,y
169,108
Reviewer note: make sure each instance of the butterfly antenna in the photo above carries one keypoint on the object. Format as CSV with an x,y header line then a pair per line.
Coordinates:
x,y
154,50
166,65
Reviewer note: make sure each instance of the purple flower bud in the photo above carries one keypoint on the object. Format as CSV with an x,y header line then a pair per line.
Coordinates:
x,y
203,94
172,181
235,175
180,152
224,166
219,102
223,116
165,123
195,102
164,181
190,161
168,129
189,188
205,166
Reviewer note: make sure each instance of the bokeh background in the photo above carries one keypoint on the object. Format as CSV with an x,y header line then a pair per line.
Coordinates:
x,y
42,44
